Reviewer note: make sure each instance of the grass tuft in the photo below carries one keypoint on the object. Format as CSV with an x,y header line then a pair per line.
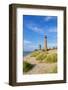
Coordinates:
x,y
41,57
35,53
27,66
51,58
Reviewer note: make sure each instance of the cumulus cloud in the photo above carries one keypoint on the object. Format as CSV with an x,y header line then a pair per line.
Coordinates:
x,y
41,30
35,28
51,30
48,18
27,42
29,46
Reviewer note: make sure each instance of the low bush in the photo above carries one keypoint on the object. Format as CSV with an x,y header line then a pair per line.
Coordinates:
x,y
27,66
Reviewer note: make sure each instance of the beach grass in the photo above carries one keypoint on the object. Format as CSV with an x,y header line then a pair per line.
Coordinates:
x,y
44,56
27,66
51,58
35,53
53,69
41,57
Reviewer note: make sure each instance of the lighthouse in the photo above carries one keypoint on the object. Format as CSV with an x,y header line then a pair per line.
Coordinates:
x,y
45,43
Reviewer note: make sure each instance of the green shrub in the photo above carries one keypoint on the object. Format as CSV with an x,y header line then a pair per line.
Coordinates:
x,y
36,50
43,50
27,66
51,58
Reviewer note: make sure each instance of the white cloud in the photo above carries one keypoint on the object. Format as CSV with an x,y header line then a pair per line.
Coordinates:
x,y
48,18
29,46
54,29
27,42
35,28
42,30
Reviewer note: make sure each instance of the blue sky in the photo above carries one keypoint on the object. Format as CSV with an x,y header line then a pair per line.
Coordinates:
x,y
35,27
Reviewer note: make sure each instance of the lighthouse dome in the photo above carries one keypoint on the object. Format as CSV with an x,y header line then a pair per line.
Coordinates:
x,y
45,36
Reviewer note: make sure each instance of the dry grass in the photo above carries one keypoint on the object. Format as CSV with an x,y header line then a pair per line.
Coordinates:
x,y
44,61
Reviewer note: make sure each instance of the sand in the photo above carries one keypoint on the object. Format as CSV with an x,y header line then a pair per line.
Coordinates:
x,y
39,67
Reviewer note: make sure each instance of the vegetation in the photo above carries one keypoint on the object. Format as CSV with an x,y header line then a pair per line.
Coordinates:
x,y
27,66
35,53
43,50
45,56
41,57
53,69
51,58
36,50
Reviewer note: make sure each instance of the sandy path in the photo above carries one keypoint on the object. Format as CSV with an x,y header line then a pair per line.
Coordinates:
x,y
31,60
42,68
39,68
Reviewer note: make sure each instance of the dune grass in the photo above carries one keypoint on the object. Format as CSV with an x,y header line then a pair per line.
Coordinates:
x,y
27,66
41,57
44,56
35,53
53,69
51,58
